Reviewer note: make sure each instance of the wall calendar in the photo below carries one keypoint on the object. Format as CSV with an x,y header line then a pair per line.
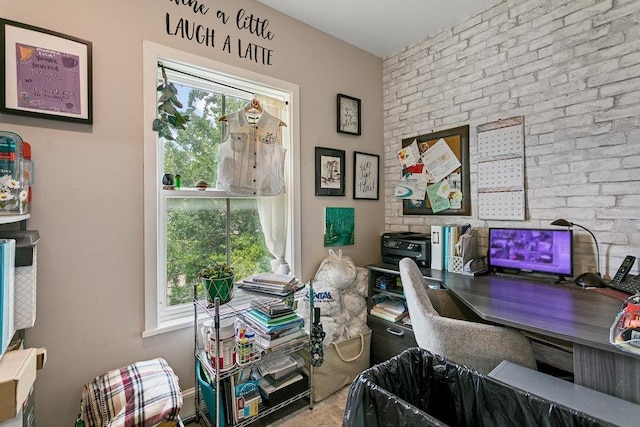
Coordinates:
x,y
501,192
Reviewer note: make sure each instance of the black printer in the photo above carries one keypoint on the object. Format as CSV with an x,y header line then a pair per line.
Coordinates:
x,y
406,244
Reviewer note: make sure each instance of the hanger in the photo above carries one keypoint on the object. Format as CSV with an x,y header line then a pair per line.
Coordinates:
x,y
252,107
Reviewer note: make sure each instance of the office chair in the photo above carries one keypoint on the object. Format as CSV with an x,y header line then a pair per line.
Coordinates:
x,y
441,325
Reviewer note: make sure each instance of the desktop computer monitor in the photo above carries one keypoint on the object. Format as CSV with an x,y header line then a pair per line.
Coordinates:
x,y
529,250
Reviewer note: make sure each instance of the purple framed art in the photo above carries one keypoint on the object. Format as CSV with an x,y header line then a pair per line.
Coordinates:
x,y
45,74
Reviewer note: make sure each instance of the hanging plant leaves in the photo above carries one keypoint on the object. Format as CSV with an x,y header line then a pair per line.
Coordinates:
x,y
169,118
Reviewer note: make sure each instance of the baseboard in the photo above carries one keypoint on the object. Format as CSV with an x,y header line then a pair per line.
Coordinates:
x,y
188,410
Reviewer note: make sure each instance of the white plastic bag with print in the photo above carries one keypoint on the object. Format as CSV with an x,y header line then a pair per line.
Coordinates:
x,y
337,270
325,297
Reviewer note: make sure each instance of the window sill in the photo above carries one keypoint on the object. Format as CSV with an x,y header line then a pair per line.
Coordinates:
x,y
169,326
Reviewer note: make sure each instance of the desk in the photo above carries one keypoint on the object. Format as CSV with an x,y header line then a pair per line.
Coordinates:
x,y
564,311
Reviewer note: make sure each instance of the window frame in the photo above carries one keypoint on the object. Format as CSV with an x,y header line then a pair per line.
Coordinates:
x,y
155,321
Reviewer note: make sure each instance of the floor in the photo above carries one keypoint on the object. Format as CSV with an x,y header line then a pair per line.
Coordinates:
x,y
326,413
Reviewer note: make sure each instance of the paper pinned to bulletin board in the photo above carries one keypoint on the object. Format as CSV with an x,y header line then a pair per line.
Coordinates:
x,y
501,191
435,173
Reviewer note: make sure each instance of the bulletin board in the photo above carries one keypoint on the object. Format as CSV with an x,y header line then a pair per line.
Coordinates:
x,y
457,139
501,191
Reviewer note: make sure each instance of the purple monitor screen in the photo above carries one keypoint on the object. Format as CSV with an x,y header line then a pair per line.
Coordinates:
x,y
531,250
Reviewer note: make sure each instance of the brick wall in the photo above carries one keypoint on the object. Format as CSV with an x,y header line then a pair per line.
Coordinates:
x,y
572,69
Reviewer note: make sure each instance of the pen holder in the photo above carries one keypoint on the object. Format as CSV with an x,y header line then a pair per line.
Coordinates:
x,y
246,347
456,263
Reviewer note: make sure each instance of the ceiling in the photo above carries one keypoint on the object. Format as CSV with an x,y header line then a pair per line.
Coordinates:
x,y
382,28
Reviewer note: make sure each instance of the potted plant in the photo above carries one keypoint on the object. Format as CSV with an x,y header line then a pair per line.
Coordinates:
x,y
218,279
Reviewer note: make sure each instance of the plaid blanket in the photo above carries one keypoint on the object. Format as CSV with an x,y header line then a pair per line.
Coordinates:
x,y
142,394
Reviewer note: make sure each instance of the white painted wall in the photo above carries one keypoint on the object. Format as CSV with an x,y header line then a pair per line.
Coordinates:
x,y
88,199
572,69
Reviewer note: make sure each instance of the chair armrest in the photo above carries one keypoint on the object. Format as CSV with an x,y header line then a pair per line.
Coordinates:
x,y
447,305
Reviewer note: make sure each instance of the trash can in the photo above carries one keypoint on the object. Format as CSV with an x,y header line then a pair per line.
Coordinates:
x,y
25,276
417,388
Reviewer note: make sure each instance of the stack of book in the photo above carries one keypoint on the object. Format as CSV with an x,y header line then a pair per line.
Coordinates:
x,y
275,323
391,309
271,283
281,378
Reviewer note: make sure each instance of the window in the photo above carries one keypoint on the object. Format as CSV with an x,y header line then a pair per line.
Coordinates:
x,y
188,228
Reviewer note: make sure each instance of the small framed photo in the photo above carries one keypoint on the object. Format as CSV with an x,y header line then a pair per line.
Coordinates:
x,y
366,176
348,115
330,170
44,74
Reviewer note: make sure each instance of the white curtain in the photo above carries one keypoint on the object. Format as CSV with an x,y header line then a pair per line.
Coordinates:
x,y
272,210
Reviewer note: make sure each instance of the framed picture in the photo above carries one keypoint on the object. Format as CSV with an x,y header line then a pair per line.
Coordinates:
x,y
45,74
339,226
348,115
366,176
330,169
456,184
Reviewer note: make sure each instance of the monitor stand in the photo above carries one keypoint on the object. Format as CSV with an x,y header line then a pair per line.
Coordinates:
x,y
534,277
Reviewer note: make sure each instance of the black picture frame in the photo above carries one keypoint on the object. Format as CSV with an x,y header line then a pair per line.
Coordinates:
x,y
366,176
330,172
349,120
458,140
61,88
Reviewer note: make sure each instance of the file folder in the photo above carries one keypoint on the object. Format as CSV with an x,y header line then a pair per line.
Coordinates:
x,y
436,247
7,277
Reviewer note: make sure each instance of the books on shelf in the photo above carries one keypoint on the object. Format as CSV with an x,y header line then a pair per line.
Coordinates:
x,y
256,280
387,315
245,395
393,305
272,279
284,328
273,307
272,287
269,385
268,326
390,309
267,321
279,367
275,395
270,343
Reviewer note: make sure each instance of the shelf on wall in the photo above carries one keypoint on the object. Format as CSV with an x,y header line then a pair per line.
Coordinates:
x,y
8,219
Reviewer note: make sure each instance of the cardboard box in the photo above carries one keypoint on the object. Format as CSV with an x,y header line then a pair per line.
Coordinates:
x,y
16,421
41,357
26,415
17,375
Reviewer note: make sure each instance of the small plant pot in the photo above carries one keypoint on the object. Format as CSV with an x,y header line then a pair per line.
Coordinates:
x,y
219,288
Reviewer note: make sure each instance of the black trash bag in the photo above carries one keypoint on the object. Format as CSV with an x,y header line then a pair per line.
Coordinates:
x,y
417,388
